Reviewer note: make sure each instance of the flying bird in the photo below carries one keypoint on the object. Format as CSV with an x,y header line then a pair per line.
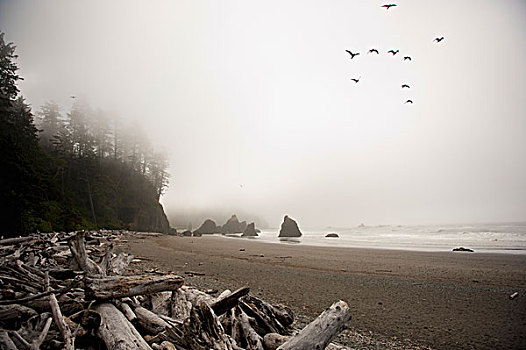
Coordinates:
x,y
356,80
407,58
409,101
393,52
352,54
374,50
72,96
439,39
405,86
387,7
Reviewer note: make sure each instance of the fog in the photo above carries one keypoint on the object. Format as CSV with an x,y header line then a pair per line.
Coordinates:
x,y
253,102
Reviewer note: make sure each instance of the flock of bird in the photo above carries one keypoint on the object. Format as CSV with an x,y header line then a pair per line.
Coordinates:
x,y
392,52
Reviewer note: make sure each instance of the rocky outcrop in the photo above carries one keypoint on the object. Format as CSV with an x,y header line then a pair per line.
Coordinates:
x,y
187,233
234,226
462,249
289,228
332,235
207,228
149,217
250,231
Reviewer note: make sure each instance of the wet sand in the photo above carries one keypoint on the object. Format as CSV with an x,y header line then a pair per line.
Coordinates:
x,y
445,300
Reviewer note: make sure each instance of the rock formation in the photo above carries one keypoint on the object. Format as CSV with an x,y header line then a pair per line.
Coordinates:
x,y
250,231
234,226
462,249
332,235
207,228
289,228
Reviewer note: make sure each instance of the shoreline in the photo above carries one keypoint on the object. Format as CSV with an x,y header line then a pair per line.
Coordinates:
x,y
330,243
444,300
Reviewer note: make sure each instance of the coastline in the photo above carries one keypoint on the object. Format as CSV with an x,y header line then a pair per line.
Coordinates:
x,y
444,300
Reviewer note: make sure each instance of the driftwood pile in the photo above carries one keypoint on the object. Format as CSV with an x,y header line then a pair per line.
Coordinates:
x,y
68,291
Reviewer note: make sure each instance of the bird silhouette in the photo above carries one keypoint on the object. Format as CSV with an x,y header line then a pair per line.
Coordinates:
x,y
407,58
405,86
387,7
352,54
409,101
374,50
356,80
393,52
439,39
72,96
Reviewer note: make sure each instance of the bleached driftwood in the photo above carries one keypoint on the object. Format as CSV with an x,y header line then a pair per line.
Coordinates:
x,y
116,331
150,321
202,330
318,333
270,318
62,326
126,310
251,337
226,303
78,250
6,342
119,264
125,286
161,303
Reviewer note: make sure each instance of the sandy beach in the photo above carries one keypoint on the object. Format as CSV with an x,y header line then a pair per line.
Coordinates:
x,y
443,300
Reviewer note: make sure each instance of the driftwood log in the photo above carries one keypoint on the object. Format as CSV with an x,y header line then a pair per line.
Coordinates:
x,y
116,331
223,304
318,333
126,286
62,290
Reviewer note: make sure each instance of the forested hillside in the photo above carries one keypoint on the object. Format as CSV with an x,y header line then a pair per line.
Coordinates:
x,y
76,169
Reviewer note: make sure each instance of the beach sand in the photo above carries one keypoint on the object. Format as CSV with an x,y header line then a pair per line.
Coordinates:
x,y
444,300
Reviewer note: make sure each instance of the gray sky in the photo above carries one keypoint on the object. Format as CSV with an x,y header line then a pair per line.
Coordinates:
x,y
254,104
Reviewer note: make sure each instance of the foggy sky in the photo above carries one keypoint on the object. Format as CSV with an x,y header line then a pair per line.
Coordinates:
x,y
254,104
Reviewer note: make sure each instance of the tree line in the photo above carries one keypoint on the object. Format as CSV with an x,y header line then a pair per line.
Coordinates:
x,y
75,169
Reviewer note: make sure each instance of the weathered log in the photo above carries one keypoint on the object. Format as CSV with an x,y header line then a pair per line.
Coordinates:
x,y
226,303
16,240
67,336
269,318
35,344
202,330
119,264
184,298
272,341
318,333
150,321
106,260
116,331
125,286
78,250
20,340
165,345
11,316
126,310
29,298
252,339
161,303
6,342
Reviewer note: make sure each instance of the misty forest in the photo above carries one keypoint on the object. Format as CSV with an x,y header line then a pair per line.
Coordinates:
x,y
65,170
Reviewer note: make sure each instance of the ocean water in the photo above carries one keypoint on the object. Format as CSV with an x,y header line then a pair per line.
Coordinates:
x,y
509,238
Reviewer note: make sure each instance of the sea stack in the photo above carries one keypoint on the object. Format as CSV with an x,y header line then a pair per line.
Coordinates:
x,y
289,228
207,228
234,226
250,231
